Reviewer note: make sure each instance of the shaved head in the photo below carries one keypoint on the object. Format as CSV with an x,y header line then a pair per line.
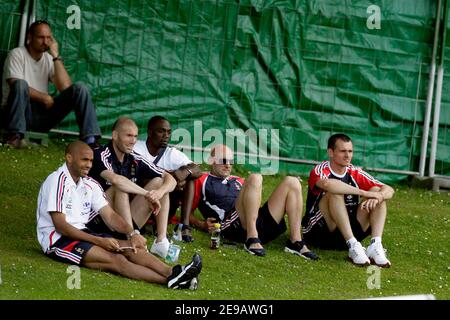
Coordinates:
x,y
124,136
218,151
76,147
79,157
123,122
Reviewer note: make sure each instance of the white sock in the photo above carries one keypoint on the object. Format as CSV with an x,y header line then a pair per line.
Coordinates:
x,y
375,240
351,242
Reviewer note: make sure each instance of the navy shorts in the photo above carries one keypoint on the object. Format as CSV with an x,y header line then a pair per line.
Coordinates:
x,y
319,236
268,229
99,226
72,251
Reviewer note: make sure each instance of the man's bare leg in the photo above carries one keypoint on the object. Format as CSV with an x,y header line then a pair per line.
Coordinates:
x,y
140,209
187,198
120,201
247,206
376,218
287,199
332,207
99,258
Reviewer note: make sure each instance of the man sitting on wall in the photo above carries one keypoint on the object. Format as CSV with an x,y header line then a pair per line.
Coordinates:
x,y
26,102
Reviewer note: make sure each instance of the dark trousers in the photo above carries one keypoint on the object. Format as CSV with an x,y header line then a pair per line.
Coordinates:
x,y
23,115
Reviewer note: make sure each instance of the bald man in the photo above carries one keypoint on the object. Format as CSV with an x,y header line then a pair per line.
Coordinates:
x,y
135,187
68,198
235,204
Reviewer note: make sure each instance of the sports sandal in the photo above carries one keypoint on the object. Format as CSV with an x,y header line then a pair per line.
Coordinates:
x,y
257,252
296,248
186,233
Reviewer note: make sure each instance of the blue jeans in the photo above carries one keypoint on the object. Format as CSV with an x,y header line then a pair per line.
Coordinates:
x,y
23,114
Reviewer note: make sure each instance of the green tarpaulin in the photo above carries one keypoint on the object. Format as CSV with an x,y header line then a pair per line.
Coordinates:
x,y
305,68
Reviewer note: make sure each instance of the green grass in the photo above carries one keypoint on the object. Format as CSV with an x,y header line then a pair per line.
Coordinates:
x,y
416,236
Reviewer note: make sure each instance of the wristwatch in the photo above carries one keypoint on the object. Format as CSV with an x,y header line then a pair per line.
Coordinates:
x,y
132,233
57,58
190,172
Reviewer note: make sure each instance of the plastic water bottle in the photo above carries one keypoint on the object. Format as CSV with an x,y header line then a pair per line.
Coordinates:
x,y
177,232
215,237
173,253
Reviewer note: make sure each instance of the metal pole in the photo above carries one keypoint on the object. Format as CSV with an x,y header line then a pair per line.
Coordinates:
x,y
23,23
33,11
426,121
437,102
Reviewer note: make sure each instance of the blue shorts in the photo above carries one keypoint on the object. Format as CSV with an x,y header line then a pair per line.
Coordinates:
x,y
72,251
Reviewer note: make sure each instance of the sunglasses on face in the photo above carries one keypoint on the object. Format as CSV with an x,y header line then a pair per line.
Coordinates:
x,y
225,161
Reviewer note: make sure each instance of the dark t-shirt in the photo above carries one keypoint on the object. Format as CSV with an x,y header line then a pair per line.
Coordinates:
x,y
134,167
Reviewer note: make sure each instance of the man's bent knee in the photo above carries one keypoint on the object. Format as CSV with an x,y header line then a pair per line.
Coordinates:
x,y
20,85
80,87
333,197
118,262
154,183
293,183
254,180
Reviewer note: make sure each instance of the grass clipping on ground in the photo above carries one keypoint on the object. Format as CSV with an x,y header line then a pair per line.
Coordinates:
x,y
416,236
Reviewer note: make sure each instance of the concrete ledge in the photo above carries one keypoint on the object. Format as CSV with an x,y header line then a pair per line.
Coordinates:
x,y
37,137
433,183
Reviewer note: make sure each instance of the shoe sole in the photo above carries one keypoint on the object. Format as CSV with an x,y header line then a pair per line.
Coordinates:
x,y
365,264
386,265
191,272
251,252
194,284
286,249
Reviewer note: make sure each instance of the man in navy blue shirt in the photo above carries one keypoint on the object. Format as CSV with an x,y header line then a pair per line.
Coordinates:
x,y
136,187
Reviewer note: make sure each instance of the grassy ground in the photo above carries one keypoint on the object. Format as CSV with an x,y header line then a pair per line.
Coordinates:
x,y
416,236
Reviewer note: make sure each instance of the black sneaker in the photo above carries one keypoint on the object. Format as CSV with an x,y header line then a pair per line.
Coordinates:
x,y
94,145
182,276
297,247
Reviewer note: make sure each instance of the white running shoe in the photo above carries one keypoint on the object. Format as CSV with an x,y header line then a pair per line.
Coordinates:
x,y
377,255
160,248
357,255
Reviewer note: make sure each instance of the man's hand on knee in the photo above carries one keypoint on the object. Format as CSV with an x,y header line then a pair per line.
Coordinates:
x,y
370,204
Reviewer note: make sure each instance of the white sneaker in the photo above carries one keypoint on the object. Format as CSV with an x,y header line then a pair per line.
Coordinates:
x,y
357,255
377,255
160,248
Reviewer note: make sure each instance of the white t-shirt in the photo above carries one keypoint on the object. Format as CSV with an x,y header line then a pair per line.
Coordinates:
x,y
171,160
20,65
79,202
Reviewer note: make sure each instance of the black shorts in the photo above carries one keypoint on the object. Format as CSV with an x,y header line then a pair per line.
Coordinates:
x,y
99,226
72,251
319,236
268,229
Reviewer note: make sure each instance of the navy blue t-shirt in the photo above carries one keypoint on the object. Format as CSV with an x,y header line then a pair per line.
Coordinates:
x,y
134,167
